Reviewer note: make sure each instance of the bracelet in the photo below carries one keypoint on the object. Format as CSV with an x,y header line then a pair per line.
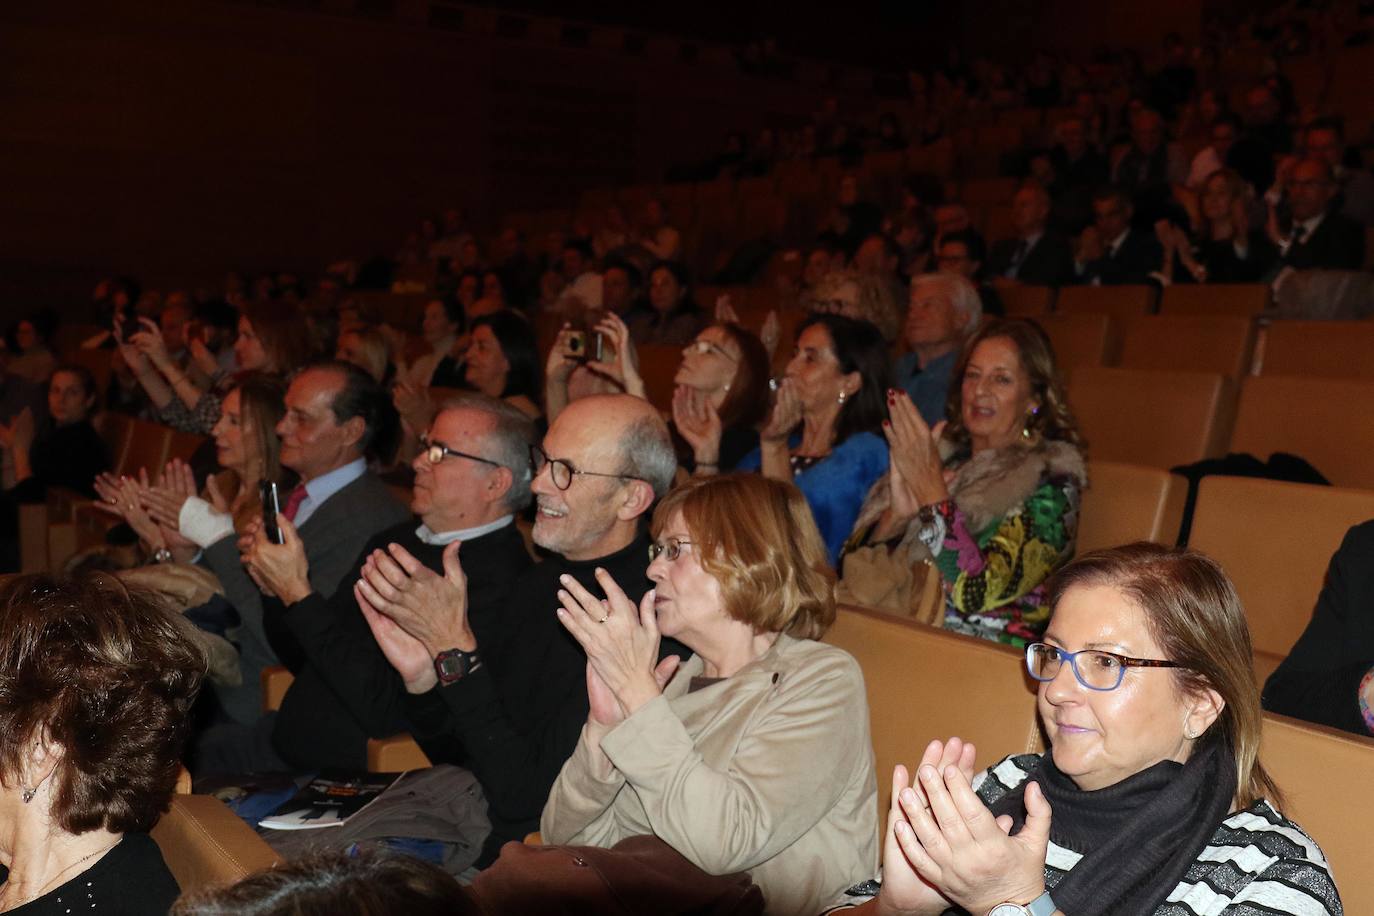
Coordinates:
x,y
1365,712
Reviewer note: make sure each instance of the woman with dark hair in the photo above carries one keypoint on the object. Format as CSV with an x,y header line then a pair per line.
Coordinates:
x,y
721,398
29,340
670,315
503,361
822,430
99,682
1151,799
62,451
270,339
990,497
368,883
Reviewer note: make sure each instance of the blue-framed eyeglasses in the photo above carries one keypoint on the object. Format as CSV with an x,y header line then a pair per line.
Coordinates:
x,y
1094,668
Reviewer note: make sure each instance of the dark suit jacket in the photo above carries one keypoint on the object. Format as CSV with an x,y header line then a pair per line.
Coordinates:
x,y
1338,244
1138,256
1319,680
333,535
345,690
1049,263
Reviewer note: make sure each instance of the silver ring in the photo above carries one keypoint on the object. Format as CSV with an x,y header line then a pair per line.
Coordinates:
x,y
604,619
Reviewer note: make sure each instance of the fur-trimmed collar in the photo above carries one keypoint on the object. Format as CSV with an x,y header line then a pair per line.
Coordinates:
x,y
991,484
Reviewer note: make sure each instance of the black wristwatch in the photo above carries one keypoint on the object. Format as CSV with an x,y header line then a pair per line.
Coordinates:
x,y
452,665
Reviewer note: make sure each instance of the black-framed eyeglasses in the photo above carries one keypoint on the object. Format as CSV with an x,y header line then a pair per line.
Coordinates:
x,y
1094,668
435,452
706,346
562,472
668,548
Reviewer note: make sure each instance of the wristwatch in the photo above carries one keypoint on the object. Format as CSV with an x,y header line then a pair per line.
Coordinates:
x,y
1040,906
452,665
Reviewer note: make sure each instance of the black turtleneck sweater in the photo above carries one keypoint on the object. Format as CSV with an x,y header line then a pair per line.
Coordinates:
x,y
517,718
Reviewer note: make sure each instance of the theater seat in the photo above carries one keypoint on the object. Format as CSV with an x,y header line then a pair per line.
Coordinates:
x,y
1129,502
1082,340
1275,541
1192,343
925,683
395,755
1121,302
1243,300
1027,301
1325,349
276,680
1330,422
1322,773
205,843
1158,419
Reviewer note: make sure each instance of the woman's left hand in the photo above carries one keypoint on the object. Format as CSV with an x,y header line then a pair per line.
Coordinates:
x,y
963,851
621,641
150,343
914,450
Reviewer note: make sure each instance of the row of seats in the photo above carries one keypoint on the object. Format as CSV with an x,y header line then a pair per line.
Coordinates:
x,y
1126,302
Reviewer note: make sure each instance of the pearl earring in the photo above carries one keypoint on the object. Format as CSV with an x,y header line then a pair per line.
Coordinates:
x,y
841,398
28,795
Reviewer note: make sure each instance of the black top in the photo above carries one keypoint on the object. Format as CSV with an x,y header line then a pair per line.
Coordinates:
x,y
1225,266
129,880
518,717
1048,263
345,690
1138,256
1336,244
1319,680
69,456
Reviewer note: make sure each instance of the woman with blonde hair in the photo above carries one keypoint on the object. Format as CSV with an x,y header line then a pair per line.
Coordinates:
x,y
752,756
1151,799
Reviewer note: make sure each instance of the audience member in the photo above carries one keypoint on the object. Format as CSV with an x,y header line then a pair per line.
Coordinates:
x,y
656,236
1265,138
1325,139
516,708
503,361
620,287
1321,237
64,451
1151,165
1225,248
821,433
720,399
471,477
1116,817
32,357
852,219
754,755
1110,252
670,315
1221,136
1038,255
99,682
1327,677
367,349
335,416
442,327
963,253
368,883
868,297
944,310
990,499
1080,169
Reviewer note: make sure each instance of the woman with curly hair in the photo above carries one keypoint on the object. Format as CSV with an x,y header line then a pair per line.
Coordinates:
x,y
95,685
990,498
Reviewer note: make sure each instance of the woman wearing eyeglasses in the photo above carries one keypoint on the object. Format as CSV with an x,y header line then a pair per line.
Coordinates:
x,y
755,756
721,398
1151,799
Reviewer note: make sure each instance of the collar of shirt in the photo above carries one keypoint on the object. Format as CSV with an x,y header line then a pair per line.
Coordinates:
x,y
1115,244
1032,240
326,485
1309,226
444,538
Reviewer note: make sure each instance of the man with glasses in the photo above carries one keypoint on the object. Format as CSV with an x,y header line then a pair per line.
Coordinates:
x,y
1321,237
516,709
471,477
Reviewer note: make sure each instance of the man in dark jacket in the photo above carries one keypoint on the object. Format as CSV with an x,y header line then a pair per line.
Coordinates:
x,y
1110,251
1038,255
516,709
1321,237
471,478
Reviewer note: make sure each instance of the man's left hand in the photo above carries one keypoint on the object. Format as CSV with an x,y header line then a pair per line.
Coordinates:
x,y
431,607
280,569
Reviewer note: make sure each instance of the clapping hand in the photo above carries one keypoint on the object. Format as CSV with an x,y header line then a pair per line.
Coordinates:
x,y
916,472
621,642
431,607
785,415
697,421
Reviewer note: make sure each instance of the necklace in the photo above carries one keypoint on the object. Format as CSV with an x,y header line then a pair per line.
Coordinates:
x,y
51,881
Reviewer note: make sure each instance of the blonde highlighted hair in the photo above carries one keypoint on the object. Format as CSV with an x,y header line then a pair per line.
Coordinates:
x,y
757,538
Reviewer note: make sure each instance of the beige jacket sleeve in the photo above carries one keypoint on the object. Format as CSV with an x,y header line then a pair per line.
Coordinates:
x,y
791,764
580,809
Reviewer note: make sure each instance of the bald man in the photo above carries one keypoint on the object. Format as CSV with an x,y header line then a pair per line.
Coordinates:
x,y
1038,255
515,710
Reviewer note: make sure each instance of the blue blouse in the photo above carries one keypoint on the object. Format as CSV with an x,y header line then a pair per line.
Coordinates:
x,y
836,486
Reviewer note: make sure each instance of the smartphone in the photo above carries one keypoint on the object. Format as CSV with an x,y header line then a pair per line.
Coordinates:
x,y
576,344
271,505
129,326
597,352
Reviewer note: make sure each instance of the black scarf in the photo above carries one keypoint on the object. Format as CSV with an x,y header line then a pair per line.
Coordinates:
x,y
1140,835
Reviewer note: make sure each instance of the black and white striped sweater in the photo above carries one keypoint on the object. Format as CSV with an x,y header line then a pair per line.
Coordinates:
x,y
1258,863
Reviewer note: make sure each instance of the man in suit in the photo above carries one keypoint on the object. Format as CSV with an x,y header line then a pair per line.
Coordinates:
x,y
336,415
1110,252
516,709
1038,256
1325,139
471,477
1321,238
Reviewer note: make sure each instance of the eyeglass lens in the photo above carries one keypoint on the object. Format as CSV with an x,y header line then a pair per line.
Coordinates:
x,y
1094,670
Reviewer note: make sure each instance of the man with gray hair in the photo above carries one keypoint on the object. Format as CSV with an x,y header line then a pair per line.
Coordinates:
x,y
944,310
515,708
472,475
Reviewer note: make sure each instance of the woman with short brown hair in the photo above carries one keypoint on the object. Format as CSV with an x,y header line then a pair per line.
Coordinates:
x,y
756,757
96,682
